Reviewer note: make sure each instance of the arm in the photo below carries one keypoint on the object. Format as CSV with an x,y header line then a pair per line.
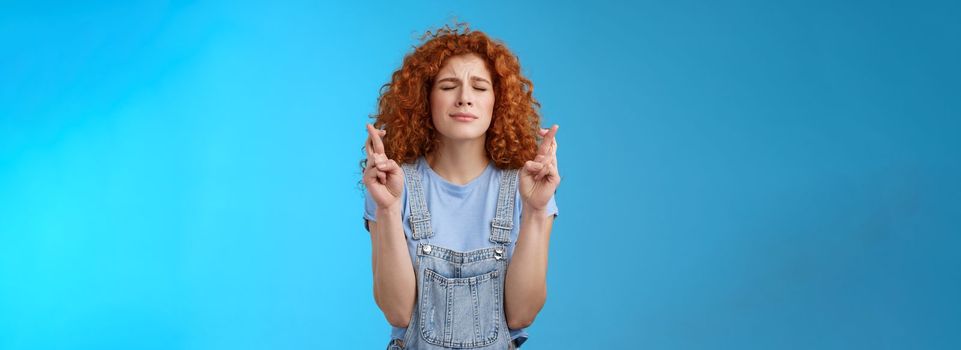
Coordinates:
x,y
394,281
525,288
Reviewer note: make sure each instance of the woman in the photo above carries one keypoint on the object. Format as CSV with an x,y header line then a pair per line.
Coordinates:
x,y
460,198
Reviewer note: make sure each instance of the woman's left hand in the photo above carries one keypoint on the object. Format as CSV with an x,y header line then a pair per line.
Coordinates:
x,y
539,177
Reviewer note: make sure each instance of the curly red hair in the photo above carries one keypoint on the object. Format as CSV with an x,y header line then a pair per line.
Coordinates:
x,y
404,110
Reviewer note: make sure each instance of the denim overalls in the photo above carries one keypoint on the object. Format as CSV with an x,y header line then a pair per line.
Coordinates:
x,y
460,295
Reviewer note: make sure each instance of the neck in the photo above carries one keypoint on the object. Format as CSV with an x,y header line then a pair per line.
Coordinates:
x,y
459,162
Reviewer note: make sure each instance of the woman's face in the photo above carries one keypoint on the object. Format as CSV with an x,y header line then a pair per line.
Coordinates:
x,y
462,98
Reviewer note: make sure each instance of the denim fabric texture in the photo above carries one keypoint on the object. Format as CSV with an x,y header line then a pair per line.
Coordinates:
x,y
460,295
458,217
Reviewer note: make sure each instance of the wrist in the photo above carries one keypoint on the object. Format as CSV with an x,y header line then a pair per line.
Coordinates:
x,y
532,207
389,211
535,213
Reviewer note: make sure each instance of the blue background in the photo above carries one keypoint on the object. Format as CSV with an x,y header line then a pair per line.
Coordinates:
x,y
737,174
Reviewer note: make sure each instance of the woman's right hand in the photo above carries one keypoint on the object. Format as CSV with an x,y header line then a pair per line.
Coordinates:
x,y
383,178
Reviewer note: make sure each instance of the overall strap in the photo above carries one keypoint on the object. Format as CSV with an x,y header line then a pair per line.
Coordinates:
x,y
504,214
419,215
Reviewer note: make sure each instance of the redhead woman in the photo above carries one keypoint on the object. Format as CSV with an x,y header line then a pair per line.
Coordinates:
x,y
460,181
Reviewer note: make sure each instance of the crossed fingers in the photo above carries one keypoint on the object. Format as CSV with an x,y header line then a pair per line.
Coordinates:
x,y
376,157
545,162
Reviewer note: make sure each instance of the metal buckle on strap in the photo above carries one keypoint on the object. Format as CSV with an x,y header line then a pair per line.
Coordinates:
x,y
502,224
498,253
395,344
420,225
417,219
500,231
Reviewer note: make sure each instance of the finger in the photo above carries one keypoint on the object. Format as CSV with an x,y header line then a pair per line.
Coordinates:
x,y
554,162
543,161
554,152
375,138
553,174
545,170
379,158
370,175
387,166
382,177
369,148
380,163
532,167
547,141
553,148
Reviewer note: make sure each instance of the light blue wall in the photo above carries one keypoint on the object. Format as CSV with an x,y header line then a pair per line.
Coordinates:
x,y
737,175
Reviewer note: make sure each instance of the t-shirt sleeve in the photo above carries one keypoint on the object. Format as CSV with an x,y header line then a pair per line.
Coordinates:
x,y
370,209
552,206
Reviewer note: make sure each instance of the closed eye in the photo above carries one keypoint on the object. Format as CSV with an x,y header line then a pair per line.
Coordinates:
x,y
445,88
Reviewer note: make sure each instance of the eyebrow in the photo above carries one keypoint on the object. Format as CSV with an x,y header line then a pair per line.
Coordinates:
x,y
456,80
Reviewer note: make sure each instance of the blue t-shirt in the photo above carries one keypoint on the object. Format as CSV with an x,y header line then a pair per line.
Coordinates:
x,y
460,215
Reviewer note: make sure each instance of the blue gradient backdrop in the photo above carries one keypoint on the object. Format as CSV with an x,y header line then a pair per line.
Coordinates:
x,y
737,174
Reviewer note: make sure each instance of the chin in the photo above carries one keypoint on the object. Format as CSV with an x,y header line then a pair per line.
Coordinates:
x,y
463,133
463,136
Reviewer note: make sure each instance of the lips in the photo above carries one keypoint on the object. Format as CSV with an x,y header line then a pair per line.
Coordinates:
x,y
464,117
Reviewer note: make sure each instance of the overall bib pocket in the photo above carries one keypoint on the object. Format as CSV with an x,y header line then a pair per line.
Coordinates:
x,y
460,312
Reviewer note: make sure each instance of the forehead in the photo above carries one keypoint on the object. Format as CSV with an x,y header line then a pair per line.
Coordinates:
x,y
464,65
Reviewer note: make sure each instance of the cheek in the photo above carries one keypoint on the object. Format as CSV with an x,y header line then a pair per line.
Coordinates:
x,y
489,103
489,98
435,99
437,103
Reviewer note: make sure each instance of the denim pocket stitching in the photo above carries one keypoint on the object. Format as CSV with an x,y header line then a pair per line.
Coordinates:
x,y
431,280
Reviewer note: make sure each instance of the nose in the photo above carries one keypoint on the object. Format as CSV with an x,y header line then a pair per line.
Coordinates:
x,y
464,98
